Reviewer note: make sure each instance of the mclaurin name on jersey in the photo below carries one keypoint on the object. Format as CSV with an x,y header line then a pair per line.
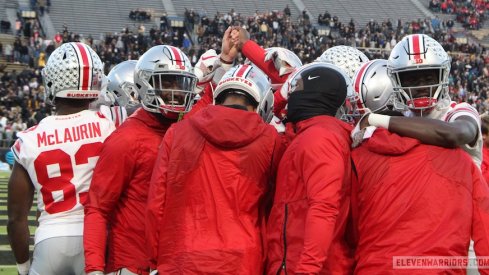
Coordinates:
x,y
71,134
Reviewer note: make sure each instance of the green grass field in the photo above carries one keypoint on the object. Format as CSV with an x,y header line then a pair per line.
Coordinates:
x,y
8,270
4,175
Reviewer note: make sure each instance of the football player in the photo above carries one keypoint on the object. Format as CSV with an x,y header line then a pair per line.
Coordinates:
x,y
56,159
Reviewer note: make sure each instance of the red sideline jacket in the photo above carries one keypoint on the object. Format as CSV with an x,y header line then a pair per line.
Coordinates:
x,y
310,209
118,194
416,200
208,193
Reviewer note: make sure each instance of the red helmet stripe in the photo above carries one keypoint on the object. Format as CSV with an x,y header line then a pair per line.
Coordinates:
x,y
85,75
242,70
178,56
416,47
359,79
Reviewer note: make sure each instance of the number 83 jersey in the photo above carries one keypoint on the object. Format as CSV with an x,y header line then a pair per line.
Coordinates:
x,y
60,154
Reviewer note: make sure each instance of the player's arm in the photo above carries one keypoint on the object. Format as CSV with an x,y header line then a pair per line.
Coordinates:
x,y
462,130
256,54
19,203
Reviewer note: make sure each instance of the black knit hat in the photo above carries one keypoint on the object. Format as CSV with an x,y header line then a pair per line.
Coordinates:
x,y
320,90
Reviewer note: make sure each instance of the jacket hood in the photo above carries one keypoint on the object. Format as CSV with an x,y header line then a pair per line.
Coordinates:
x,y
153,120
228,127
387,143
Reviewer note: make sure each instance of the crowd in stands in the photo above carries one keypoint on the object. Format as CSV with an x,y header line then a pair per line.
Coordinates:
x,y
22,93
471,14
140,15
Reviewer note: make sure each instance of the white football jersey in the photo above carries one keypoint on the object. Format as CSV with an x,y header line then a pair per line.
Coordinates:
x,y
456,110
60,154
117,114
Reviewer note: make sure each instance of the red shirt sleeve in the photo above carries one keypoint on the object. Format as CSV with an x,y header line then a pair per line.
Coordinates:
x,y
156,197
323,172
207,99
107,184
256,54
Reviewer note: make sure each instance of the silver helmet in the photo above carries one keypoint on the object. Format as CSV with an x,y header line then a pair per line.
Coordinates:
x,y
121,86
419,68
75,71
249,80
347,58
373,87
165,81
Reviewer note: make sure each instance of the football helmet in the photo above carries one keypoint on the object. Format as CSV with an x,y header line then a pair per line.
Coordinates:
x,y
347,58
419,68
74,71
252,82
373,87
346,111
165,81
285,61
120,88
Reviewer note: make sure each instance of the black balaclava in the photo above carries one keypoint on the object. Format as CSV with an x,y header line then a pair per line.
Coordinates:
x,y
322,92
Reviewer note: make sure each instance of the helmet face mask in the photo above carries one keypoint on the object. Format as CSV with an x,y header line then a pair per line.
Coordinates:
x,y
419,69
165,81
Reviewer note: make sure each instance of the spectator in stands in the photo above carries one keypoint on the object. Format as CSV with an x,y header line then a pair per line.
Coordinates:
x,y
42,6
18,26
4,26
287,10
163,22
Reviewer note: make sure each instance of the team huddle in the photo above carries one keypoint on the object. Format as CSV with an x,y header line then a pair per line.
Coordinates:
x,y
339,166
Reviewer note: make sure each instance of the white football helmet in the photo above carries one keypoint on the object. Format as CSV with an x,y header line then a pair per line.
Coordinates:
x,y
285,60
121,86
252,82
347,110
74,71
373,87
347,58
415,57
165,81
